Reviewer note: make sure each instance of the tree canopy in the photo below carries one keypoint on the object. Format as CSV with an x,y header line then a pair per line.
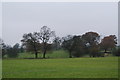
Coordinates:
x,y
108,42
31,40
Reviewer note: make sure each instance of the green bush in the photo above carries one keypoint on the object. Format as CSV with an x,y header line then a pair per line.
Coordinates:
x,y
116,51
12,53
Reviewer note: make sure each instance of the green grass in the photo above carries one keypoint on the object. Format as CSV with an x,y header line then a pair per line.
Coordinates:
x,y
0,68
102,67
54,54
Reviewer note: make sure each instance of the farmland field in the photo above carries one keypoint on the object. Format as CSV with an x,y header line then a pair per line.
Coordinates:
x,y
100,67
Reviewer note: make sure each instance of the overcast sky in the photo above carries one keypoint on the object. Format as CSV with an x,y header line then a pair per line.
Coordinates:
x,y
64,18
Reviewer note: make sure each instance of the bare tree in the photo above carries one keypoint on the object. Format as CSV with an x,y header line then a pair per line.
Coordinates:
x,y
57,43
45,35
32,39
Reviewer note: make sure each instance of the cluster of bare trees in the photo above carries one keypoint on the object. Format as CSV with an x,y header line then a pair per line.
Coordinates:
x,y
76,45
88,43
38,39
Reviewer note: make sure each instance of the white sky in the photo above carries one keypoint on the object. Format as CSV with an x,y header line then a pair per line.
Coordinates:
x,y
64,18
60,0
0,19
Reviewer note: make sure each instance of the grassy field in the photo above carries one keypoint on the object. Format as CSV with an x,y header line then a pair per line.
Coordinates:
x,y
102,67
0,68
52,54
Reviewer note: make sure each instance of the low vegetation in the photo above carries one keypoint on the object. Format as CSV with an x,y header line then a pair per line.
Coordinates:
x,y
102,67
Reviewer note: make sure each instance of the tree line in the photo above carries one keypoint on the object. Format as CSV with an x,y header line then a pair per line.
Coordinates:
x,y
76,45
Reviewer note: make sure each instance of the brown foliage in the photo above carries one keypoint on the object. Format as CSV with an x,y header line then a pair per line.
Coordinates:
x,y
108,42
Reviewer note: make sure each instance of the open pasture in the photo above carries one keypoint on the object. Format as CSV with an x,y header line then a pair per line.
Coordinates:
x,y
101,67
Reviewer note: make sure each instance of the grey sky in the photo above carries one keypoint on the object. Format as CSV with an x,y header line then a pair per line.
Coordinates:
x,y
0,19
63,18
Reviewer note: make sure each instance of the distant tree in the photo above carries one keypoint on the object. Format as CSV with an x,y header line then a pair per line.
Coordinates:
x,y
8,50
22,49
1,42
78,46
16,48
94,51
67,44
44,35
116,51
49,47
12,52
2,48
28,47
31,39
91,39
74,45
57,43
108,42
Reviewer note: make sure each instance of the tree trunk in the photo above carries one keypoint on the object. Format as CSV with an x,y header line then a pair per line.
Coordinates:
x,y
70,55
44,53
105,51
45,48
36,56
